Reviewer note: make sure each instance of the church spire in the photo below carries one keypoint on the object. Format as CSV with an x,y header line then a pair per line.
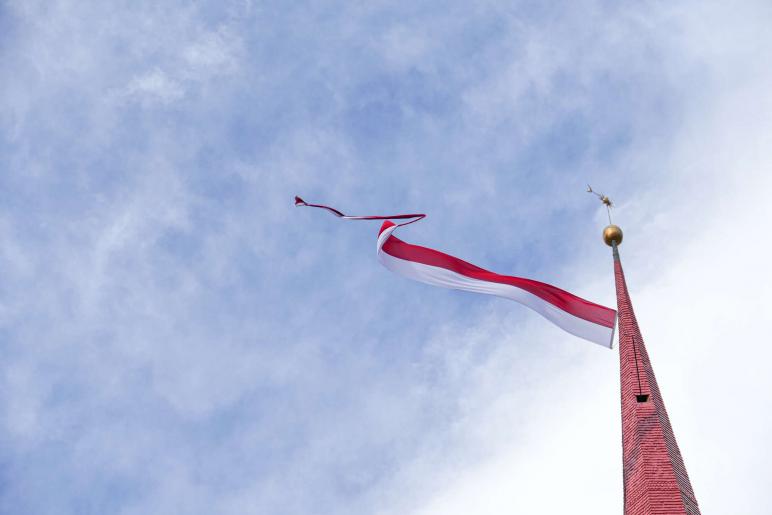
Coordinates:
x,y
655,478
654,474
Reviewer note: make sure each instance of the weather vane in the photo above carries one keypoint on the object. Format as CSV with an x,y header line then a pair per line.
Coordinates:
x,y
603,198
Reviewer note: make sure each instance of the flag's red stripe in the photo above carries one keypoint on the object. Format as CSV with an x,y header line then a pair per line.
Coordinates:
x,y
559,298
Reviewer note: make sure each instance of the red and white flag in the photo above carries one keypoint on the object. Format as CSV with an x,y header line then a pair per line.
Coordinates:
x,y
571,313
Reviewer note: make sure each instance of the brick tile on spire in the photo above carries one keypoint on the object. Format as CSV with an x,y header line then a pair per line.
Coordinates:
x,y
655,478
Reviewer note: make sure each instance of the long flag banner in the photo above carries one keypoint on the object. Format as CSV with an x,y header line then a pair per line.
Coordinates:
x,y
573,314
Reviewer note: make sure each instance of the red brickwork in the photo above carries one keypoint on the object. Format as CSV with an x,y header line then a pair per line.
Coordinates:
x,y
655,478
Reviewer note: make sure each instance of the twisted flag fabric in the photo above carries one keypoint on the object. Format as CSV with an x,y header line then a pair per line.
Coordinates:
x,y
573,314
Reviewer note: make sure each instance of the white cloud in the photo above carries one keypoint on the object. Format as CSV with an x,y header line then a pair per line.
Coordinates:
x,y
215,51
155,85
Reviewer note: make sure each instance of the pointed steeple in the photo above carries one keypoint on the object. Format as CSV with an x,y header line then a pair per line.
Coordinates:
x,y
655,478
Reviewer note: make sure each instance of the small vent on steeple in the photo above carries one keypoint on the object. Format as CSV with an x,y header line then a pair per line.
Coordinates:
x,y
643,397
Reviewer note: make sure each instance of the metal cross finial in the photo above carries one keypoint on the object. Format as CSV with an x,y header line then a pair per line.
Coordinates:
x,y
603,198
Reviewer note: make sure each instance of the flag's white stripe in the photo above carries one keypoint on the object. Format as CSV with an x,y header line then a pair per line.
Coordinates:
x,y
442,277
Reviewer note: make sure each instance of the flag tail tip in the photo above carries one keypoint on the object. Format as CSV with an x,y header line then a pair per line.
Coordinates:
x,y
299,201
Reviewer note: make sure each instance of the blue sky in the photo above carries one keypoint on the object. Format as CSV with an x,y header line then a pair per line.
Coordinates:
x,y
178,338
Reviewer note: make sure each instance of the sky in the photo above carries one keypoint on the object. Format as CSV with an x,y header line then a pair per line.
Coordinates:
x,y
177,337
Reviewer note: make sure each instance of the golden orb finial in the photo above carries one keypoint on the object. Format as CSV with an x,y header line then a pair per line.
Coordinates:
x,y
612,234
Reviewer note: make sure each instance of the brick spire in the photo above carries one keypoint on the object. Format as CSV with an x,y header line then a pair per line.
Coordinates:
x,y
655,478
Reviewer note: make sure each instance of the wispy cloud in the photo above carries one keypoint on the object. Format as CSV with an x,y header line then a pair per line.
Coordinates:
x,y
155,85
178,338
